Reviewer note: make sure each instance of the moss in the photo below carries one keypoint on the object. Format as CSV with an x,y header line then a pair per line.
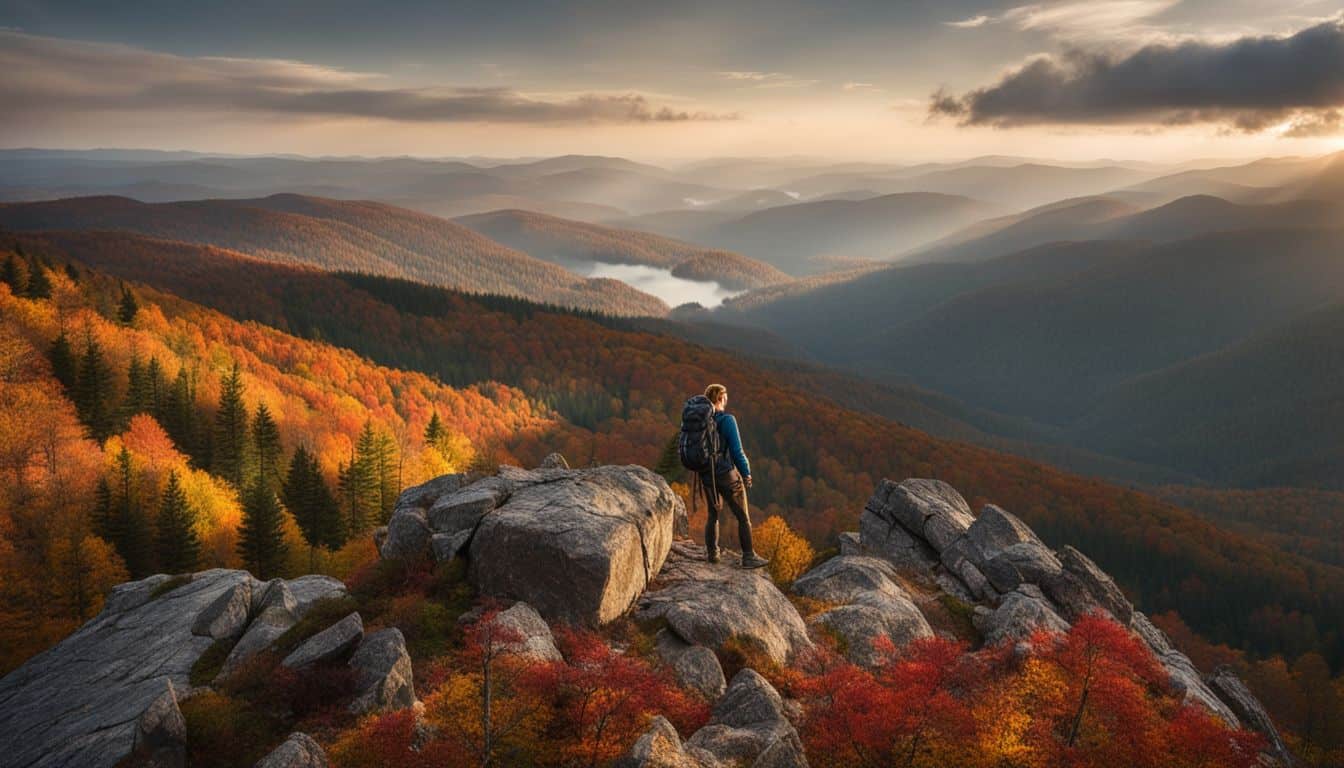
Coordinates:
x,y
170,585
320,615
738,653
959,615
205,669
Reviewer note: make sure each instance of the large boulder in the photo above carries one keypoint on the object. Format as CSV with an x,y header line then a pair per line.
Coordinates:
x,y
882,534
842,579
659,747
994,530
382,673
1027,562
307,590
161,732
1019,613
709,605
112,668
276,612
694,666
330,644
1182,675
298,751
1082,588
407,535
870,617
460,511
577,545
526,634
930,509
226,618
747,723
1231,690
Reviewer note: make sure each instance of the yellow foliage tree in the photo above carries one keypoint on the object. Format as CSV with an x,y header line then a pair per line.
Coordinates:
x,y
790,555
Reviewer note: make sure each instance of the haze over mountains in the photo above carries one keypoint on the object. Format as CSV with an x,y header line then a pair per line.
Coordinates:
x,y
1060,299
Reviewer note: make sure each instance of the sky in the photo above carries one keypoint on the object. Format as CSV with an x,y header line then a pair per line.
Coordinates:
x,y
1160,80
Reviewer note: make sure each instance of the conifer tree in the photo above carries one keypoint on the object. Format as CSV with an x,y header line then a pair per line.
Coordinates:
x,y
138,396
39,285
309,500
71,272
156,386
177,414
178,546
229,451
128,308
93,390
261,538
433,430
102,510
12,277
63,364
266,448
359,482
384,461
127,524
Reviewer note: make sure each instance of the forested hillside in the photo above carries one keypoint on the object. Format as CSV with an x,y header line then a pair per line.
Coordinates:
x,y
340,234
815,462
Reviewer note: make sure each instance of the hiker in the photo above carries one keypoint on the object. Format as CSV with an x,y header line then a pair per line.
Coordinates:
x,y
711,447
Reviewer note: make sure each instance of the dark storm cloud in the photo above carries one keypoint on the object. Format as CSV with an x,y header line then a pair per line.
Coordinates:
x,y
1248,84
40,75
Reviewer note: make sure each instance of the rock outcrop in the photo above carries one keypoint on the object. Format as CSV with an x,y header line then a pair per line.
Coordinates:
x,y
161,732
298,751
924,530
382,673
118,665
694,666
1243,703
578,545
710,605
330,644
872,606
748,723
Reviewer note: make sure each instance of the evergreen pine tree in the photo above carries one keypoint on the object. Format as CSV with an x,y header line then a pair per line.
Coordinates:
x,y
93,390
177,414
138,399
12,276
261,539
229,451
71,272
385,469
63,364
433,430
127,524
128,307
39,285
266,448
308,499
178,545
156,386
102,510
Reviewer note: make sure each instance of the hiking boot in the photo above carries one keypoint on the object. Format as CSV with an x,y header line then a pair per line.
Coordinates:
x,y
752,560
712,557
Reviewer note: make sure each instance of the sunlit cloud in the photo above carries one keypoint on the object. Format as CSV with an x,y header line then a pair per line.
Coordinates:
x,y
60,78
971,23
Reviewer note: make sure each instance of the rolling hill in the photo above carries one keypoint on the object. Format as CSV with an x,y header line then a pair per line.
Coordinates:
x,y
574,243
795,238
817,460
339,234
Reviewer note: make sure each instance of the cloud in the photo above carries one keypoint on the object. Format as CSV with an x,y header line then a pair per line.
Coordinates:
x,y
43,75
1249,85
767,79
859,87
971,23
1310,126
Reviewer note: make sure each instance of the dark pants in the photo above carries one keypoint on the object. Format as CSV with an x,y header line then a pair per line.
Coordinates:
x,y
729,488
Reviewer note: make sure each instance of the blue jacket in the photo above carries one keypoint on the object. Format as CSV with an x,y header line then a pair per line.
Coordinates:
x,y
731,442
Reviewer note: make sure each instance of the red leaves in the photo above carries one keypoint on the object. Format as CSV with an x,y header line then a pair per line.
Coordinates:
x,y
1093,697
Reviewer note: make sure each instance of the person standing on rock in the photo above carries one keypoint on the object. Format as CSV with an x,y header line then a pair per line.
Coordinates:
x,y
715,454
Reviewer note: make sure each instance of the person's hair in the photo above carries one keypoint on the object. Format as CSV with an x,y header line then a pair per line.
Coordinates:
x,y
715,391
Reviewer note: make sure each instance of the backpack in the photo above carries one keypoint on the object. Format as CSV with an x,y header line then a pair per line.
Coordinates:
x,y
698,444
